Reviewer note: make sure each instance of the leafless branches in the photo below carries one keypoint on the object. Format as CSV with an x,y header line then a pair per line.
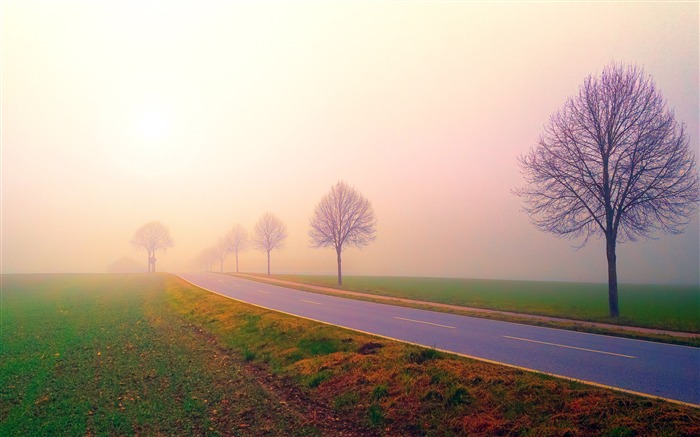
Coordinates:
x,y
342,218
152,237
612,162
238,241
206,258
269,233
222,249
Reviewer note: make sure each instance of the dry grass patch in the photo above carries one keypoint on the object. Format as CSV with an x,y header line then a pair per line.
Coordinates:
x,y
387,387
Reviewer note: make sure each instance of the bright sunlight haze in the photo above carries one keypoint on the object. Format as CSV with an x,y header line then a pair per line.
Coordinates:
x,y
204,115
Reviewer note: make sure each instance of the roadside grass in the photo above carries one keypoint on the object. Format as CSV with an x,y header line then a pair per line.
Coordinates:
x,y
670,307
154,355
394,388
103,355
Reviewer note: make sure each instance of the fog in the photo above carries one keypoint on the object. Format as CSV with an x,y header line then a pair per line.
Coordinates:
x,y
205,115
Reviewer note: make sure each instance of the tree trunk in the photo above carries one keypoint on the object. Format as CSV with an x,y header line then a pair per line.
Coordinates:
x,y
612,276
610,241
268,263
236,262
222,265
340,274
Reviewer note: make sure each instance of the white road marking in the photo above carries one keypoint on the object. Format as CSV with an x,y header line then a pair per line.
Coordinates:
x,y
570,347
462,354
425,323
311,301
263,291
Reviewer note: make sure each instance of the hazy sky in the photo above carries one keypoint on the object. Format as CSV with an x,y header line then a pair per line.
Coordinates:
x,y
204,115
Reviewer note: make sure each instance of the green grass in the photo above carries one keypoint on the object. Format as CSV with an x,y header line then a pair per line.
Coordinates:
x,y
102,354
399,389
154,355
673,307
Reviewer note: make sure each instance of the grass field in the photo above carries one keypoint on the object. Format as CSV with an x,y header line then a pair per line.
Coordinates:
x,y
102,354
151,354
673,307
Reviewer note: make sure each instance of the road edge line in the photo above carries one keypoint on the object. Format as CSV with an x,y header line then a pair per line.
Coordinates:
x,y
486,360
430,306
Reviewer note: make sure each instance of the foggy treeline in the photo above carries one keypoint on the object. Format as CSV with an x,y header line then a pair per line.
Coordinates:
x,y
342,218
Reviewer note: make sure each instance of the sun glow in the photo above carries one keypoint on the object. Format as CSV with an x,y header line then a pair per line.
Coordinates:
x,y
152,123
150,139
152,146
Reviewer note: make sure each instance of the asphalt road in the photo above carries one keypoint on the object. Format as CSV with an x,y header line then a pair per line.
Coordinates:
x,y
655,369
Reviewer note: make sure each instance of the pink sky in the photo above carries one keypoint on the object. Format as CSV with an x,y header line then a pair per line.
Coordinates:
x,y
204,115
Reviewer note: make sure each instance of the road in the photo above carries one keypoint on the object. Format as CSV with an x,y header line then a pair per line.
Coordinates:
x,y
655,369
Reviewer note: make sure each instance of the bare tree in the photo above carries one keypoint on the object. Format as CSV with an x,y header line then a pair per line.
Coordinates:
x,y
269,233
613,162
152,237
222,249
238,241
206,258
342,218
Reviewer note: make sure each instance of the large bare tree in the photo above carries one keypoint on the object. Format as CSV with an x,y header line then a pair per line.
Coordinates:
x,y
269,234
152,237
238,241
613,162
342,218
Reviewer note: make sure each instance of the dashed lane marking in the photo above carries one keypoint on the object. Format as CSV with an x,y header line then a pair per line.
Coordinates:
x,y
474,357
569,347
425,323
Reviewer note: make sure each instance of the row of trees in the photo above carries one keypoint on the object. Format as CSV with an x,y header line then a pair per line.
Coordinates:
x,y
235,241
343,218
269,233
612,163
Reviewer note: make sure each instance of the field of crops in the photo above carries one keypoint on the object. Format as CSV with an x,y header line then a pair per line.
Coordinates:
x,y
673,307
102,354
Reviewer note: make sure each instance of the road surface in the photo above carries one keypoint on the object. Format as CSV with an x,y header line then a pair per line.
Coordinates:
x,y
655,369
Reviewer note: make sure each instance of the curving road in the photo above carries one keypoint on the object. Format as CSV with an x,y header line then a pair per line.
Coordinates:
x,y
655,369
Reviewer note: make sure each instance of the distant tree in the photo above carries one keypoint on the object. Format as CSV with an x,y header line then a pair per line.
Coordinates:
x,y
269,233
222,249
152,237
342,218
613,162
206,258
238,241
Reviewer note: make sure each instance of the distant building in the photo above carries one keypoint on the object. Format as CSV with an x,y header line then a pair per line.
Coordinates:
x,y
126,265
